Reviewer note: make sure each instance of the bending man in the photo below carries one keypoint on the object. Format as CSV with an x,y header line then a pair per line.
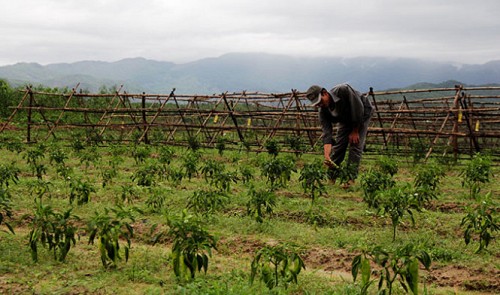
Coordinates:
x,y
352,111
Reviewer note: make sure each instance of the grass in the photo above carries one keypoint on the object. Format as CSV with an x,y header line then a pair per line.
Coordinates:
x,y
339,226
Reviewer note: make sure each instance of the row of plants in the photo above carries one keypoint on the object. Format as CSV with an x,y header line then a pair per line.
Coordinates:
x,y
395,200
57,231
273,263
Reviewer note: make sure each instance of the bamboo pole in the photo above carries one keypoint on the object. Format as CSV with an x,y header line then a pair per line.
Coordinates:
x,y
473,138
26,94
62,112
372,94
28,133
240,135
116,95
148,125
437,137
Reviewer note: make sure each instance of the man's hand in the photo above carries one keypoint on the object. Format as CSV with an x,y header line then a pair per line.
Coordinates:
x,y
354,136
330,164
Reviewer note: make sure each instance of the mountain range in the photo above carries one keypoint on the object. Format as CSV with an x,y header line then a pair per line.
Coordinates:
x,y
261,72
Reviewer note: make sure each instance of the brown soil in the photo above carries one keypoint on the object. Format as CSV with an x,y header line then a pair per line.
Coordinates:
x,y
446,207
466,278
339,261
7,287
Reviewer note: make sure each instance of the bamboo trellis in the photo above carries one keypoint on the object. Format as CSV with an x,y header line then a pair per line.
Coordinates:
x,y
459,120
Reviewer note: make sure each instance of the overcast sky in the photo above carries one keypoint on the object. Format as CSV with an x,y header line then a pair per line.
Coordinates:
x,y
53,31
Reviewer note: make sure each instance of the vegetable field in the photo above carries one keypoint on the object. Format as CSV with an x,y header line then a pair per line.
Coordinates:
x,y
84,217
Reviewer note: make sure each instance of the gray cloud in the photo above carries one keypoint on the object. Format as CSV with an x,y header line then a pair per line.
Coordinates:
x,y
48,31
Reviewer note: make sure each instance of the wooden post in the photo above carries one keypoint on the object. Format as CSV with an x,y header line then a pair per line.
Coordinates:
x,y
26,94
473,138
144,120
147,126
395,119
378,115
181,120
28,133
281,118
456,105
208,136
43,116
205,121
411,116
300,115
437,137
110,104
240,135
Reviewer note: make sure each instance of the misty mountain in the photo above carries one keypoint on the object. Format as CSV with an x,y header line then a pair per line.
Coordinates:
x,y
248,71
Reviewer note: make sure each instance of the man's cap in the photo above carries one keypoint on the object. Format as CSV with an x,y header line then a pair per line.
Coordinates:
x,y
314,95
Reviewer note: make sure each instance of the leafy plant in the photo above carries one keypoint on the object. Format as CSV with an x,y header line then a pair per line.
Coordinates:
x,y
192,245
246,144
276,263
316,217
272,146
387,165
312,177
361,265
80,190
141,153
446,156
93,137
344,173
477,171
35,154
400,264
246,173
378,179
107,175
222,180
481,223
64,171
8,174
373,182
5,208
193,143
278,171
220,145
57,155
261,203
166,155
13,145
207,201
39,188
190,164
109,227
128,194
296,144
395,202
419,150
426,183
156,200
33,157
117,152
89,156
77,144
53,230
175,176
210,168
146,175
